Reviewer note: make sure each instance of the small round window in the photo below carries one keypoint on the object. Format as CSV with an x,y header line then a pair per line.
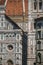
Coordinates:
x,y
10,47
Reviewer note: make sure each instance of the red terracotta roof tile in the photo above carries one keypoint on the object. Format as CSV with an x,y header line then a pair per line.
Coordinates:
x,y
15,7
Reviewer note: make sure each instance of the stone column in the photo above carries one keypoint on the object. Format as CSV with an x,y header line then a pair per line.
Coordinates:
x,y
30,40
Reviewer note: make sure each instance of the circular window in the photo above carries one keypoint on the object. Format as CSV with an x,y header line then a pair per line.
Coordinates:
x,y
10,47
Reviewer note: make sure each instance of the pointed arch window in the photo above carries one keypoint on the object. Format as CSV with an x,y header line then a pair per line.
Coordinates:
x,y
0,61
39,45
35,4
39,58
10,62
40,4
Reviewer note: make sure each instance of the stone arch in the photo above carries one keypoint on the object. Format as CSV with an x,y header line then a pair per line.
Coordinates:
x,y
10,62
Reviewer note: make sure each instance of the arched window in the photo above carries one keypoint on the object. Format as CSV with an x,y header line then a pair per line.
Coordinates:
x,y
39,57
39,45
0,61
39,25
35,4
40,4
10,62
39,34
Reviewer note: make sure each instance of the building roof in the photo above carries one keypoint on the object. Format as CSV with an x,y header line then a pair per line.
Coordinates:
x,y
15,7
2,2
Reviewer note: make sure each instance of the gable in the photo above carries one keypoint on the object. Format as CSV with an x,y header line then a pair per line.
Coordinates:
x,y
15,26
8,29
7,24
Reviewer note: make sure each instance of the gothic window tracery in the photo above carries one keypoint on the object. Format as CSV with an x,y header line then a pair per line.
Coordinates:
x,y
38,5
